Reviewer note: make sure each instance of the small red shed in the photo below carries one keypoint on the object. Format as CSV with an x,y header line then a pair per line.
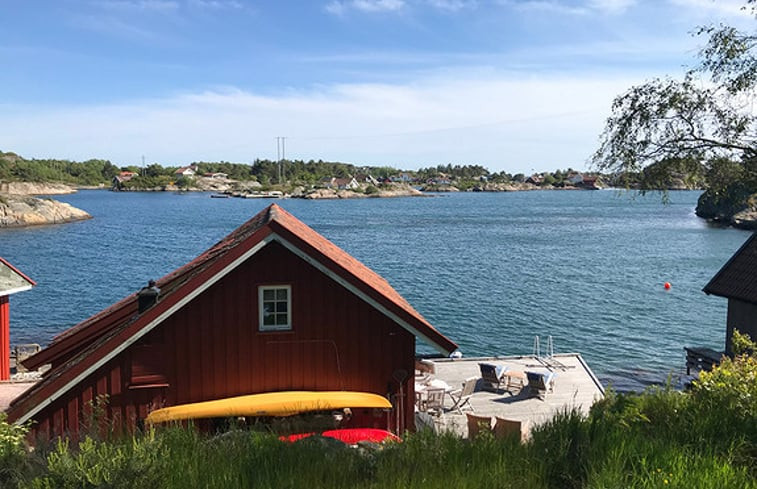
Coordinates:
x,y
274,306
11,281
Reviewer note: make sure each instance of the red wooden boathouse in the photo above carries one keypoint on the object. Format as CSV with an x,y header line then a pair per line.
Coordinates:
x,y
273,306
11,282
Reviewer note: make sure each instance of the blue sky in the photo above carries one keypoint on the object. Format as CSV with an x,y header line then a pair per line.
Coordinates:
x,y
513,85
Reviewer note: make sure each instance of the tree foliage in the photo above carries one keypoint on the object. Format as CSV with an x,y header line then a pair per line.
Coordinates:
x,y
707,116
90,172
465,172
268,172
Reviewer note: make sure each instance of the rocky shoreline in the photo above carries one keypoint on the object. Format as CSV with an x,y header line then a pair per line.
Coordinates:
x,y
324,193
18,207
24,210
34,188
736,207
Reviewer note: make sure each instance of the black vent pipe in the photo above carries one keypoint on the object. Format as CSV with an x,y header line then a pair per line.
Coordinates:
x,y
147,296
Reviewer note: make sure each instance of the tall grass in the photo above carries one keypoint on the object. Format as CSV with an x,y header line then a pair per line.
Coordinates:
x,y
658,439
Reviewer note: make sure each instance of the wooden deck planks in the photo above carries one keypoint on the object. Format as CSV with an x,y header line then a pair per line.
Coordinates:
x,y
575,386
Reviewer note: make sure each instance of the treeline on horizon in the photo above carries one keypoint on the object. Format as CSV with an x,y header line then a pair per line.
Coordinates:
x,y
94,172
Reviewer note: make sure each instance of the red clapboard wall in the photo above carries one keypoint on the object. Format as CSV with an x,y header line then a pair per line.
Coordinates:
x,y
212,349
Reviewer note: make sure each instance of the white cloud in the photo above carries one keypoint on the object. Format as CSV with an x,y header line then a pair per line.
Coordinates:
x,y
144,5
513,122
336,8
546,6
611,6
217,4
726,8
588,7
369,6
452,5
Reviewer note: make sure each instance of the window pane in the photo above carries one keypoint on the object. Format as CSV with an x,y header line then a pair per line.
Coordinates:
x,y
274,304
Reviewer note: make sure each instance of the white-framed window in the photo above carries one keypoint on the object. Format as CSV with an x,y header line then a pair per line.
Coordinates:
x,y
275,306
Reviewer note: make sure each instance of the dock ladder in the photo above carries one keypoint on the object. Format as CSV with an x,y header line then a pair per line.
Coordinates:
x,y
548,361
550,347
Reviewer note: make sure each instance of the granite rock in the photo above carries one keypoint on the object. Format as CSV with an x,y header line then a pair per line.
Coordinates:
x,y
22,211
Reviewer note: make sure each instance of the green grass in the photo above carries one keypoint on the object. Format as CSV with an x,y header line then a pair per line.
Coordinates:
x,y
658,439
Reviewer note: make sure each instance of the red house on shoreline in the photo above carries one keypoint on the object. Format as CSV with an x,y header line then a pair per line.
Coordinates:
x,y
274,306
11,282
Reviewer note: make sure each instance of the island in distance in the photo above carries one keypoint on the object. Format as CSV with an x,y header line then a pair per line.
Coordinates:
x,y
20,178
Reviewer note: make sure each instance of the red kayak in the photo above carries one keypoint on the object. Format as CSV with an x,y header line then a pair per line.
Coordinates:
x,y
351,436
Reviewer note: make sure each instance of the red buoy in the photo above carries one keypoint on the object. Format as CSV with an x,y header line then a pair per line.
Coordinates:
x,y
667,285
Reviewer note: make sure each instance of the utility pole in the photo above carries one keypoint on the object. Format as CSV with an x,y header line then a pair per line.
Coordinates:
x,y
143,165
281,155
278,157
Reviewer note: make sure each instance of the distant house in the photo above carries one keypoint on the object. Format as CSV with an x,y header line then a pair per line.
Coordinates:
x,y
328,182
402,178
185,171
346,183
218,176
438,181
122,177
534,180
590,183
737,281
340,183
274,306
575,178
363,178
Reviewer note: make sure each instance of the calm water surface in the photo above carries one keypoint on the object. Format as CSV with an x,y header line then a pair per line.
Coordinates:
x,y
491,271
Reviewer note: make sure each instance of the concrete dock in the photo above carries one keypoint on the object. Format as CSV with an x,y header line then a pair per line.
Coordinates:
x,y
575,386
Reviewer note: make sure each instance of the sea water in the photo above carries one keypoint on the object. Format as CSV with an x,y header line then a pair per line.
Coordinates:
x,y
489,270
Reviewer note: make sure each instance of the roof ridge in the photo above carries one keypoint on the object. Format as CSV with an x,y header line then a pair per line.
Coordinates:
x,y
707,288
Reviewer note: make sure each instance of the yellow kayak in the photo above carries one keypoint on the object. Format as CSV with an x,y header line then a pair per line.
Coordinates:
x,y
285,403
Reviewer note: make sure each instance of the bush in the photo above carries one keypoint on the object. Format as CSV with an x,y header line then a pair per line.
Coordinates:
x,y
13,456
732,385
132,463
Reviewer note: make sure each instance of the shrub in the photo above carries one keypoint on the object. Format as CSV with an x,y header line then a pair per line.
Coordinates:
x,y
13,456
732,385
136,462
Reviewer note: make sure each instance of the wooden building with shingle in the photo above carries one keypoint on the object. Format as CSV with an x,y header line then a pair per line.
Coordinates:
x,y
272,307
737,281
